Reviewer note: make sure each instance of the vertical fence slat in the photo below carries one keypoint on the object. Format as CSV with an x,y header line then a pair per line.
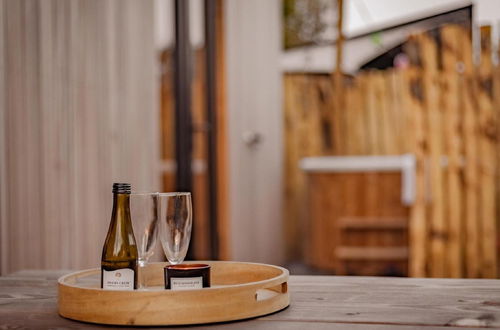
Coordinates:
x,y
293,151
382,116
361,88
397,112
487,151
452,138
413,101
372,129
354,144
366,110
348,122
438,232
467,96
337,116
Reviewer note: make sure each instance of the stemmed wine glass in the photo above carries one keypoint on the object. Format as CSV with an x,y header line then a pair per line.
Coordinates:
x,y
144,215
176,217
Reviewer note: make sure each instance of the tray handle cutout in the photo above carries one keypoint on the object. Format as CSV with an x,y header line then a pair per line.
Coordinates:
x,y
271,292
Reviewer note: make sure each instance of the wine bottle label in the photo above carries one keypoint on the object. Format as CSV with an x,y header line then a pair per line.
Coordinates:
x,y
186,283
120,279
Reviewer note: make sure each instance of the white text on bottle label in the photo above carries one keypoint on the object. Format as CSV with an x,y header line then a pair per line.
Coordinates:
x,y
120,279
186,283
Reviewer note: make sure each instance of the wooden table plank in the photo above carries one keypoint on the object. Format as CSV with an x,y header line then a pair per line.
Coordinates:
x,y
318,302
429,302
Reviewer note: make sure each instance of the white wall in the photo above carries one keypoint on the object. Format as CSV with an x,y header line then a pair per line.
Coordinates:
x,y
165,23
253,45
79,111
254,95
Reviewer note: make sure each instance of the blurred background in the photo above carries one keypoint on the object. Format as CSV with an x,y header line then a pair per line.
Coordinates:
x,y
354,137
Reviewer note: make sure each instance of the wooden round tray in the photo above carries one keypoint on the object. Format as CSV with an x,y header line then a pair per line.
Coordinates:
x,y
239,290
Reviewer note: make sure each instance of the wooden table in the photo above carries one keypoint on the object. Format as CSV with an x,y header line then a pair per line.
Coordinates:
x,y
29,299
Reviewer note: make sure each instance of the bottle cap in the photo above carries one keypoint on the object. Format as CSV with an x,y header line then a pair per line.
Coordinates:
x,y
121,188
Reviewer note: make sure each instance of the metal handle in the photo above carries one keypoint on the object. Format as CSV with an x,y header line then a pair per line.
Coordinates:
x,y
252,139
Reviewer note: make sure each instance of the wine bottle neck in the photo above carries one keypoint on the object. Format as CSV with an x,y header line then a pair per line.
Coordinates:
x,y
121,198
121,203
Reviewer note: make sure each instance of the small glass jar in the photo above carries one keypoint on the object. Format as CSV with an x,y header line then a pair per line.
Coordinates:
x,y
187,276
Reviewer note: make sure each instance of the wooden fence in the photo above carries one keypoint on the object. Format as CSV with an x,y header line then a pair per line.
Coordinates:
x,y
442,109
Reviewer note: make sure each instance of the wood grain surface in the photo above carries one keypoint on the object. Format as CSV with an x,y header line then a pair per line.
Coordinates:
x,y
29,299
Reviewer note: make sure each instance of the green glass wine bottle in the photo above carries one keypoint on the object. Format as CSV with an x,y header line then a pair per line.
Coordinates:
x,y
119,253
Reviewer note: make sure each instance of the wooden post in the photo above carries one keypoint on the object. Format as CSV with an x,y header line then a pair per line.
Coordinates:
x,y
222,137
488,161
340,36
338,101
452,138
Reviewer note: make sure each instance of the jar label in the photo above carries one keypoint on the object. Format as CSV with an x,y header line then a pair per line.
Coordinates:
x,y
186,283
120,279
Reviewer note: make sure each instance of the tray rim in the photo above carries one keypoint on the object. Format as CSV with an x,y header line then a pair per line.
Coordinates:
x,y
246,304
285,273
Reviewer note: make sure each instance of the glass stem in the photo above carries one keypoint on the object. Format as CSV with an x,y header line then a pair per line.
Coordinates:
x,y
141,278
